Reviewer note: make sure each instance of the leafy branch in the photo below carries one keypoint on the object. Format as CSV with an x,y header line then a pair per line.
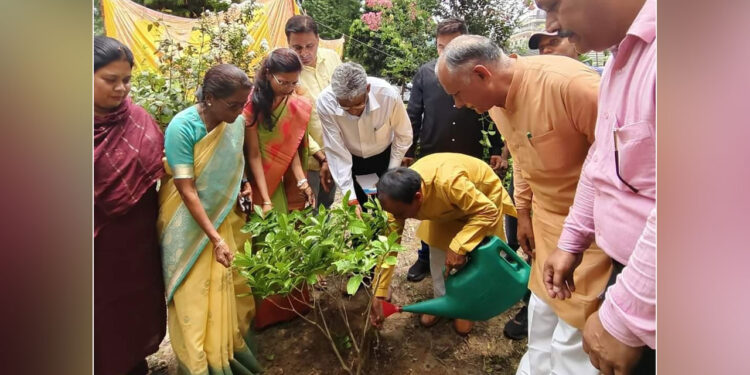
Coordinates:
x,y
293,251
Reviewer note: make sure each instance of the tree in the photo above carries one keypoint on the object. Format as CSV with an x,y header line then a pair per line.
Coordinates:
x,y
333,17
495,19
393,38
98,20
226,39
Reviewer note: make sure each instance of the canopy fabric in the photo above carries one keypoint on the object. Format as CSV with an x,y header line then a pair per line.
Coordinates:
x,y
141,28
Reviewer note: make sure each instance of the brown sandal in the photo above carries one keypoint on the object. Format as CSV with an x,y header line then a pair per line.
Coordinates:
x,y
427,320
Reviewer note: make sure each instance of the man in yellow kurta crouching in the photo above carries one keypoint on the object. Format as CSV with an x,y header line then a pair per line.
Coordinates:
x,y
460,201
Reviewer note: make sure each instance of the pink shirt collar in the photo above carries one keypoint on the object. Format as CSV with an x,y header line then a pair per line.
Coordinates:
x,y
643,28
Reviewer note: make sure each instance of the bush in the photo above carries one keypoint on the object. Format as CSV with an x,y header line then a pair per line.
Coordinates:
x,y
226,39
291,251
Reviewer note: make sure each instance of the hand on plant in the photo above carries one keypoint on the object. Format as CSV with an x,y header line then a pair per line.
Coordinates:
x,y
326,181
358,211
558,273
376,312
245,198
267,207
222,253
453,261
525,233
307,193
607,354
407,161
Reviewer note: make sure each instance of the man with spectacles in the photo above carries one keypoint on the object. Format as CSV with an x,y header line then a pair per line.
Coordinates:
x,y
318,65
615,203
365,128
545,107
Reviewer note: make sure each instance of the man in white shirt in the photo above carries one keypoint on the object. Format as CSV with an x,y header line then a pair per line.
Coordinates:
x,y
365,127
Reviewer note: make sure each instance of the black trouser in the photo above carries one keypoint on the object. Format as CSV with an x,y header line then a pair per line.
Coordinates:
x,y
647,364
511,223
511,232
377,164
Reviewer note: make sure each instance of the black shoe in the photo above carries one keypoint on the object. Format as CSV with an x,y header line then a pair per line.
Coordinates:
x,y
518,327
418,271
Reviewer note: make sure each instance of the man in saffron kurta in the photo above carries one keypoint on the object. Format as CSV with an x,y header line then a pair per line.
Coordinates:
x,y
545,107
460,201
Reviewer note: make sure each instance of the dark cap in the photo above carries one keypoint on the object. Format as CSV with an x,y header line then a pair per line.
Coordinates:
x,y
534,40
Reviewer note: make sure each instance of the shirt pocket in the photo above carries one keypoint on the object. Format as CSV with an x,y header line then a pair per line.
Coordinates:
x,y
552,150
636,148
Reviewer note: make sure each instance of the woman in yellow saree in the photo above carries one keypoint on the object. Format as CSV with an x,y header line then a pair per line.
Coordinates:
x,y
198,226
276,137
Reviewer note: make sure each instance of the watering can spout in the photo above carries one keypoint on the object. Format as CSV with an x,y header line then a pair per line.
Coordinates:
x,y
439,306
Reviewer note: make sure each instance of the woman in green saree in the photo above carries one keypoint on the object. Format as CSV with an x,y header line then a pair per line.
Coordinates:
x,y
198,225
276,139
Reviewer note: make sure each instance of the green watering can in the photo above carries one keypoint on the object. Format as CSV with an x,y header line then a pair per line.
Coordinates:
x,y
488,285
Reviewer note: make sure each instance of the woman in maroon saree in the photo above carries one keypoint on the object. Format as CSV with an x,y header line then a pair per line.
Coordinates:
x,y
129,307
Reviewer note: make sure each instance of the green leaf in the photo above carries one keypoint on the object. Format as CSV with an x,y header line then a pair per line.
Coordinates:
x,y
353,285
391,260
258,210
358,227
312,279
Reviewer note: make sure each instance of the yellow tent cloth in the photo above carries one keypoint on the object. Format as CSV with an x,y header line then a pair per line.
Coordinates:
x,y
141,28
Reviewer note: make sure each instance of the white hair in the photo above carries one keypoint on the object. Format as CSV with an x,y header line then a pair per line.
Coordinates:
x,y
473,49
349,80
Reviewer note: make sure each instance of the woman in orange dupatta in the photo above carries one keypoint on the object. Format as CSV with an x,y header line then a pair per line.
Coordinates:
x,y
276,138
276,143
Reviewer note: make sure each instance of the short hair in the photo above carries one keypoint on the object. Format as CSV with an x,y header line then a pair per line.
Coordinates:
x,y
452,26
108,50
300,24
222,81
399,184
349,80
474,49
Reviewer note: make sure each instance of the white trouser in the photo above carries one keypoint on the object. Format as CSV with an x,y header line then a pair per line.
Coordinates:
x,y
437,262
555,347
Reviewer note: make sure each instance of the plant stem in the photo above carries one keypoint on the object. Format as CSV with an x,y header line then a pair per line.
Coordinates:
x,y
326,332
330,339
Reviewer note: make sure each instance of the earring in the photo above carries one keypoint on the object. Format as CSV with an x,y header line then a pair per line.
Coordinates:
x,y
208,103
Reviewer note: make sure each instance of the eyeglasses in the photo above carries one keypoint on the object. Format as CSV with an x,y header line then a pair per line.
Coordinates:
x,y
285,83
354,107
617,163
235,106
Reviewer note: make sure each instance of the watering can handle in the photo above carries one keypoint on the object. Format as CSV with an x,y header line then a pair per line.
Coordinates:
x,y
517,258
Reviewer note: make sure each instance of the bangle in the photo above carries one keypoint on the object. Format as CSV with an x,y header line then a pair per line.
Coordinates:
x,y
352,202
267,203
301,182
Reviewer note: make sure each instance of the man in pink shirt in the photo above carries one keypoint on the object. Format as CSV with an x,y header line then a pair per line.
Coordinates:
x,y
615,202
